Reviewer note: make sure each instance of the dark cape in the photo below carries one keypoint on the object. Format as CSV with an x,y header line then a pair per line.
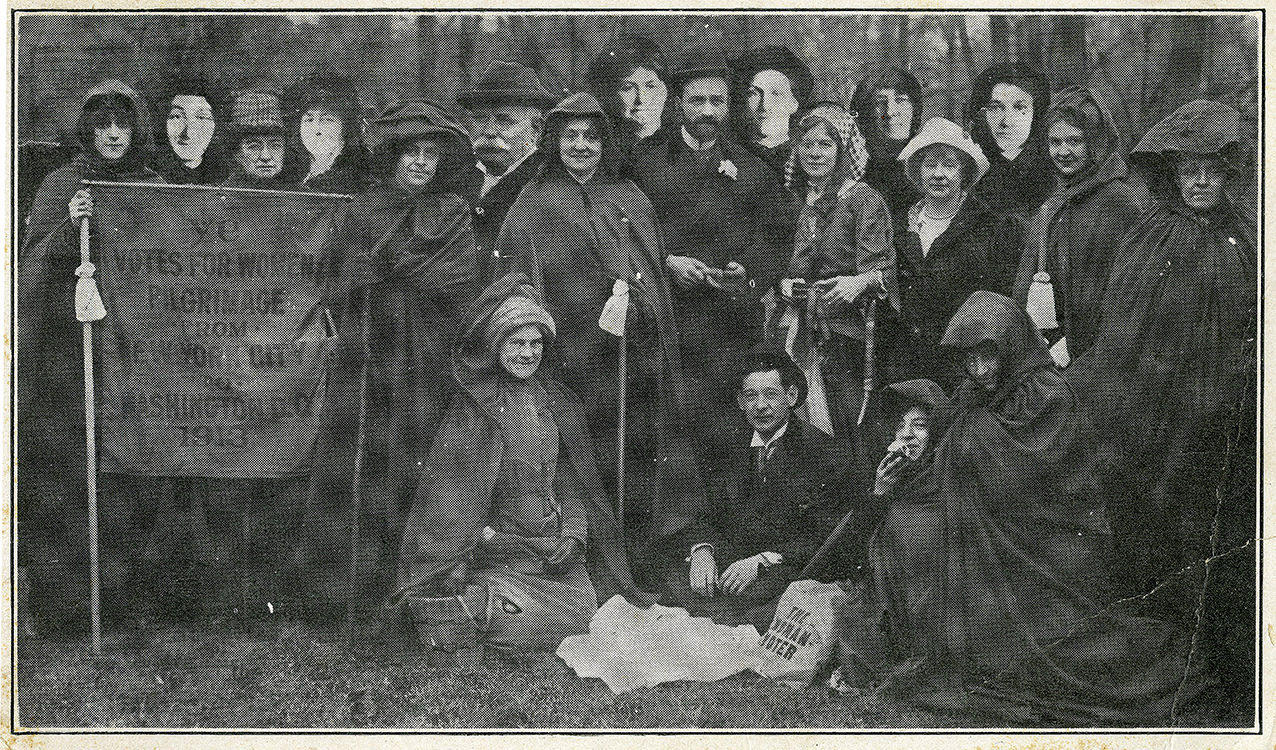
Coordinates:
x,y
574,241
211,170
1170,385
1016,186
977,251
454,498
411,258
1016,630
1075,234
50,375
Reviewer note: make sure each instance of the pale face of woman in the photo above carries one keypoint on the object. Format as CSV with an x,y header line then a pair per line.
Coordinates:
x,y
321,132
817,153
521,351
113,136
643,95
894,114
1200,180
771,102
190,127
940,171
912,433
1009,116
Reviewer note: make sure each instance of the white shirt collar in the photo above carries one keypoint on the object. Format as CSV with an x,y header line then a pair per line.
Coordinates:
x,y
758,442
694,144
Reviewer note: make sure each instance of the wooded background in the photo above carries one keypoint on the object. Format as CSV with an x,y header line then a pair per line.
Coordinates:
x,y
1147,64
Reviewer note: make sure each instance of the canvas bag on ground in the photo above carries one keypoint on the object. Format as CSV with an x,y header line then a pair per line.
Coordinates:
x,y
800,640
525,613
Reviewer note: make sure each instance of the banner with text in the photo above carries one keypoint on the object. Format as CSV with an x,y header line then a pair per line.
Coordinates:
x,y
212,352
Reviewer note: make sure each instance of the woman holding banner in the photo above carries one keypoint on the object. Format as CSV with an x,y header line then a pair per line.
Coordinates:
x,y
114,130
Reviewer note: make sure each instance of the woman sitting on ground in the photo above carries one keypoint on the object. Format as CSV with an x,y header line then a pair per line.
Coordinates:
x,y
993,608
510,495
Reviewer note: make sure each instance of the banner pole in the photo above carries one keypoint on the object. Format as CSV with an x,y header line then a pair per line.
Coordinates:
x,y
356,487
90,446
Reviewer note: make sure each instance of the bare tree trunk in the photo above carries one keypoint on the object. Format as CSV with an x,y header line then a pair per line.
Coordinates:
x,y
999,47
1067,52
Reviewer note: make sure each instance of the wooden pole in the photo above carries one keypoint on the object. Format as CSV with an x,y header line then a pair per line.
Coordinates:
x,y
90,447
356,484
622,373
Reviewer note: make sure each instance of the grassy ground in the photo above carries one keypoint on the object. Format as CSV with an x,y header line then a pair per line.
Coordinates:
x,y
286,675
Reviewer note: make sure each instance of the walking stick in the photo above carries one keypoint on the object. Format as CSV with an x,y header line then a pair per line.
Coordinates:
x,y
870,357
88,308
613,320
356,485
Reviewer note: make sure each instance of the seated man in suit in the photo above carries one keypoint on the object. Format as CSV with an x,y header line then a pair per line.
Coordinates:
x,y
774,497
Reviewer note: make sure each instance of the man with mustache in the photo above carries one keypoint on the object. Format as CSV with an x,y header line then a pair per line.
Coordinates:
x,y
257,143
721,210
506,113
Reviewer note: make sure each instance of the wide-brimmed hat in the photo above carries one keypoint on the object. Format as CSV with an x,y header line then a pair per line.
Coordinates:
x,y
937,130
507,83
701,62
410,121
256,112
778,58
1198,127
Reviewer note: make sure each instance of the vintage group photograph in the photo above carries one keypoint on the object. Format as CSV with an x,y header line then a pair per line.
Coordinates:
x,y
601,370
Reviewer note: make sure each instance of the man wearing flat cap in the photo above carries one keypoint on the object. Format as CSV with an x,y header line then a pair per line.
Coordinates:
x,y
257,143
506,111
776,85
720,208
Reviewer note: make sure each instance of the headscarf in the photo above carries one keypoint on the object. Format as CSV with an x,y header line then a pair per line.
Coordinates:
x,y
501,308
864,106
1084,109
852,156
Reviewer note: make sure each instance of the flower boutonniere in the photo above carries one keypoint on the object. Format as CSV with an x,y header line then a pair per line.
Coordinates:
x,y
728,168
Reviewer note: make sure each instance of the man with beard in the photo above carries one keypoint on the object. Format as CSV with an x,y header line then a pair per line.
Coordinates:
x,y
720,208
507,110
257,143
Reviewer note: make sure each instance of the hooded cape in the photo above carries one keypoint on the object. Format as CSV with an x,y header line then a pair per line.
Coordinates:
x,y
410,259
574,241
50,404
1173,369
454,497
1021,185
1023,636
1076,232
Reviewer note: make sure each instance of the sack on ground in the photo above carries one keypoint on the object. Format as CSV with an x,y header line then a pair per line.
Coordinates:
x,y
524,613
800,640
